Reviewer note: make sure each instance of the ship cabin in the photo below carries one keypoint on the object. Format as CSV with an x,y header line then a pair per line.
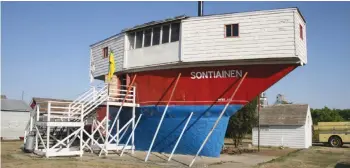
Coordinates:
x,y
257,37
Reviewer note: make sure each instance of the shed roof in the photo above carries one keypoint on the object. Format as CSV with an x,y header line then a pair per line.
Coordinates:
x,y
284,114
43,102
14,105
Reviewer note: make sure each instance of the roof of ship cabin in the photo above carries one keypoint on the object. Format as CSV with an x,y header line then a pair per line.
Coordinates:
x,y
43,102
228,13
284,114
14,105
151,23
182,17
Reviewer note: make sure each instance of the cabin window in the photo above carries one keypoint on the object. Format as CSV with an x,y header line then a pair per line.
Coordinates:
x,y
175,32
131,40
232,30
156,36
105,52
301,32
139,37
148,38
165,37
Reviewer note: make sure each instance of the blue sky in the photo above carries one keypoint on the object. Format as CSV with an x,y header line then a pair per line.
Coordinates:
x,y
45,45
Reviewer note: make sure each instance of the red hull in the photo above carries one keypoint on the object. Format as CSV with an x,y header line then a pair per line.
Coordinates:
x,y
203,86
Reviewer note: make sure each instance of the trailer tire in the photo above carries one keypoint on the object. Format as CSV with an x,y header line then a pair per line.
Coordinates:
x,y
335,141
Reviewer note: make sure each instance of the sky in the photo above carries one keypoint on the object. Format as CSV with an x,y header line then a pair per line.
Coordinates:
x,y
45,45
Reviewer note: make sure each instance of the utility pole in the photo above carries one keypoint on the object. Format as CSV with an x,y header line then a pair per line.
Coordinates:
x,y
22,94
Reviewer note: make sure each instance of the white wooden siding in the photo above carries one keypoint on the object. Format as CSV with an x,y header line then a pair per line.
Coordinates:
x,y
308,129
115,43
13,124
153,55
281,135
300,44
262,34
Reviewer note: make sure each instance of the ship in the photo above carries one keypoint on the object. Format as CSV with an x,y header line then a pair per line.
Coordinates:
x,y
195,68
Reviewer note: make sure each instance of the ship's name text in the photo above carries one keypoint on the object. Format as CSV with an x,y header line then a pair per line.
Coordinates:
x,y
217,74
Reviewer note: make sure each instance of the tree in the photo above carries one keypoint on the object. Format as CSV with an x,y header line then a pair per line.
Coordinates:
x,y
242,122
326,115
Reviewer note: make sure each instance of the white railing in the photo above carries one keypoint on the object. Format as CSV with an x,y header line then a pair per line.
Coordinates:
x,y
87,102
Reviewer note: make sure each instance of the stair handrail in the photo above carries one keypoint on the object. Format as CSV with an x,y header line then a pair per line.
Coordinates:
x,y
93,89
92,107
90,103
85,98
103,96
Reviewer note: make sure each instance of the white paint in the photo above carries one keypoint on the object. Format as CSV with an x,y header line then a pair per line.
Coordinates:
x,y
300,44
262,34
13,124
285,135
217,74
153,55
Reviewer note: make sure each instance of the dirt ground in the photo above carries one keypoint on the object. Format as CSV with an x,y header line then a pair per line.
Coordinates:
x,y
13,157
314,157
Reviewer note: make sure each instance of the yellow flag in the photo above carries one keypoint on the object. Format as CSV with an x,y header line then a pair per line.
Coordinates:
x,y
111,66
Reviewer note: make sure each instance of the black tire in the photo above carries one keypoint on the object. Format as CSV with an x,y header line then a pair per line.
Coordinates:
x,y
335,141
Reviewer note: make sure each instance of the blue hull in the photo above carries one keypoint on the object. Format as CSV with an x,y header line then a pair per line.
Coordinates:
x,y
202,121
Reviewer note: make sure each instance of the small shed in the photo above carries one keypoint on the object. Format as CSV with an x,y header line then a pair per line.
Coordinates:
x,y
14,118
288,125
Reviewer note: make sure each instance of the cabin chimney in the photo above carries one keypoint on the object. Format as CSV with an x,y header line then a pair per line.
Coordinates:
x,y
200,8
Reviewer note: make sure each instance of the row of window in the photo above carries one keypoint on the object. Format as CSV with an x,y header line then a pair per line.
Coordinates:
x,y
155,36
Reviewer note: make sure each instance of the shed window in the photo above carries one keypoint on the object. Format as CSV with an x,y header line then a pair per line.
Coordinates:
x,y
148,36
105,52
156,36
301,32
165,37
139,37
232,30
175,32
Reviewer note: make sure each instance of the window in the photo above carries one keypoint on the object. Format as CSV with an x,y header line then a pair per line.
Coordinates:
x,y
105,52
139,37
232,30
148,38
156,36
175,32
131,40
165,37
301,32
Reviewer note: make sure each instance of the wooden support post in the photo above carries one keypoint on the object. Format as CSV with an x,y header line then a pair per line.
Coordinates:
x,y
120,108
217,121
178,140
161,120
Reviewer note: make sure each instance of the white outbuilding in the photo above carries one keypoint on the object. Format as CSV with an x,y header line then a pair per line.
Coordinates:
x,y
14,118
287,125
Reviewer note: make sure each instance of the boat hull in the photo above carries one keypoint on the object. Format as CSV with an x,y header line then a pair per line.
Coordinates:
x,y
201,90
